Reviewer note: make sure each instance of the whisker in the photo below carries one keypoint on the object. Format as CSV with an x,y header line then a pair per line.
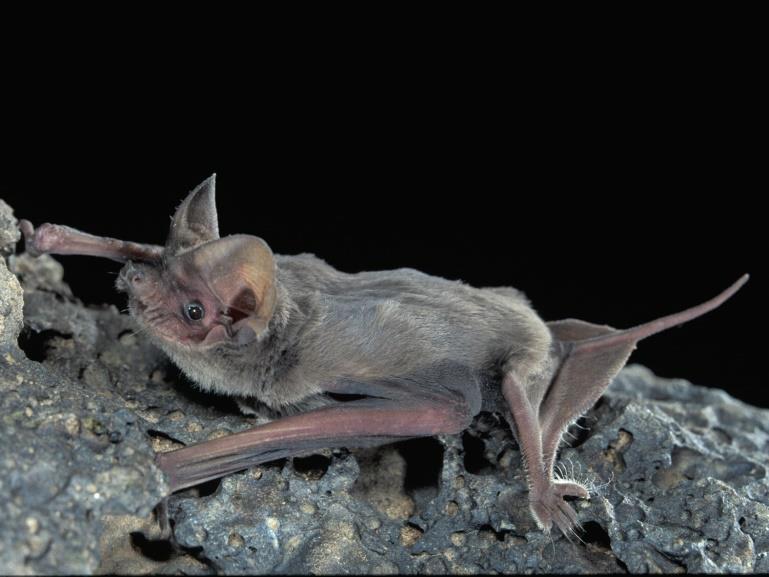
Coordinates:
x,y
576,534
138,332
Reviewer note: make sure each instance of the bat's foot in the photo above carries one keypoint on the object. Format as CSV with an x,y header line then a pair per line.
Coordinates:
x,y
550,509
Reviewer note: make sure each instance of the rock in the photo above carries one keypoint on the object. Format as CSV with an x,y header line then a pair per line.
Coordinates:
x,y
10,290
690,477
39,273
679,472
62,470
11,307
9,230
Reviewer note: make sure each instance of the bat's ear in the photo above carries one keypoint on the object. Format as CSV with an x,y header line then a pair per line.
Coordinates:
x,y
195,221
240,272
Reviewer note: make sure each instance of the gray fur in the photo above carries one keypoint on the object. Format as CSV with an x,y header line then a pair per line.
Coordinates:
x,y
329,326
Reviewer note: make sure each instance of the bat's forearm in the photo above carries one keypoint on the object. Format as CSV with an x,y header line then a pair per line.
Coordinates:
x,y
58,239
358,423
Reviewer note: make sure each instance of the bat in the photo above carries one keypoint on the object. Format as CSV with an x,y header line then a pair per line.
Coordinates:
x,y
356,359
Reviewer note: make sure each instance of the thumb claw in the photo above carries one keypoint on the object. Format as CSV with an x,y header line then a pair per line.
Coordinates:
x,y
29,237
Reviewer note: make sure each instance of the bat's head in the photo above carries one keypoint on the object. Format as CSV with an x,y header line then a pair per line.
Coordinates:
x,y
205,290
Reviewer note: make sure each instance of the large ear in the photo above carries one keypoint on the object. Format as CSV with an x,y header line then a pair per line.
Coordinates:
x,y
195,221
240,272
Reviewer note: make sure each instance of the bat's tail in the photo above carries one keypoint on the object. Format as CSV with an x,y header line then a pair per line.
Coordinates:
x,y
590,356
639,332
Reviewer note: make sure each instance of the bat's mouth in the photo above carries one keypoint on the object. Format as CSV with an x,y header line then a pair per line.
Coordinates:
x,y
233,333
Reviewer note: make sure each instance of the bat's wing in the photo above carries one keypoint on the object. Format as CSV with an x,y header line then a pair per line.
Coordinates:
x,y
587,358
58,239
438,399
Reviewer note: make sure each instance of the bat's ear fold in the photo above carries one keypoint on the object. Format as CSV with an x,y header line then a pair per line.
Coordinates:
x,y
240,271
195,221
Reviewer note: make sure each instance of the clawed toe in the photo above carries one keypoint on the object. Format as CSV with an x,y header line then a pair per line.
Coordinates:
x,y
570,489
550,509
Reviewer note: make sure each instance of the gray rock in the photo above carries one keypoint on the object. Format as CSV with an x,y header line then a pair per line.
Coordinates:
x,y
71,451
10,290
39,273
678,472
679,484
11,303
9,231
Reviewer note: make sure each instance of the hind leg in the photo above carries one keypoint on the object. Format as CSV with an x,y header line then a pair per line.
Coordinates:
x,y
528,372
545,493
584,358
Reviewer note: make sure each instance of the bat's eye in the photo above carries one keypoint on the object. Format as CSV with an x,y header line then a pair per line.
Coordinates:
x,y
194,311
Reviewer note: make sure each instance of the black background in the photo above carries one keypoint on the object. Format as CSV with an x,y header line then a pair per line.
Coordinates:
x,y
615,191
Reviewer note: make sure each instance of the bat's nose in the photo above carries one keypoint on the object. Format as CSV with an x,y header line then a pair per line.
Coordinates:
x,y
130,274
132,277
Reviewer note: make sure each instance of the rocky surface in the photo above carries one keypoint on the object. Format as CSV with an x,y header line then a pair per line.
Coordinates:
x,y
678,471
